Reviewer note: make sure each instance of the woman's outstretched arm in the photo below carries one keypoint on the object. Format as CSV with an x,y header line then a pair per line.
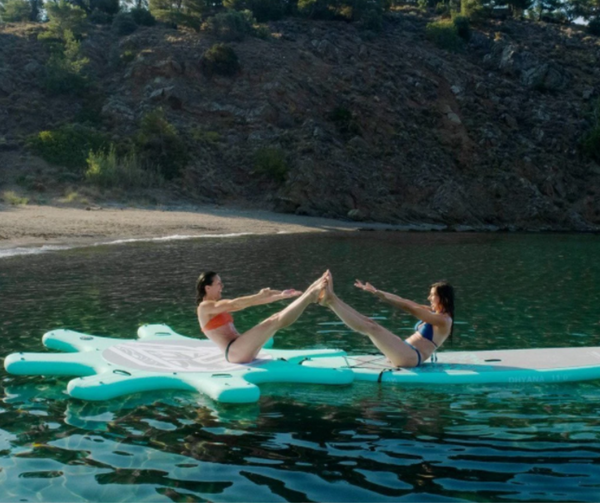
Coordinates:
x,y
265,296
417,310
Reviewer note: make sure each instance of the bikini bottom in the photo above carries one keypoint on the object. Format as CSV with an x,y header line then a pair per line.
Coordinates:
x,y
407,343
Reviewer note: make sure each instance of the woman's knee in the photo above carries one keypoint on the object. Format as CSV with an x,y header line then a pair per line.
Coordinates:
x,y
371,327
273,322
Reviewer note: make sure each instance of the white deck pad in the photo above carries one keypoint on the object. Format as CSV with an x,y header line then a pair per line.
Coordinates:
x,y
175,356
162,359
501,366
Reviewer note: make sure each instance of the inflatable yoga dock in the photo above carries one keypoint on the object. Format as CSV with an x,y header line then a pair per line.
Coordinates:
x,y
162,359
466,367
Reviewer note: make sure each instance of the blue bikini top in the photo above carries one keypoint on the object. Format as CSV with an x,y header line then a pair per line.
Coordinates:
x,y
426,330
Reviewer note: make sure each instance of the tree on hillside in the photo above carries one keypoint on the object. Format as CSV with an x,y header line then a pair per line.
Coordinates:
x,y
351,10
180,12
14,11
475,10
138,4
36,9
586,9
263,10
63,16
545,7
109,6
517,7
66,67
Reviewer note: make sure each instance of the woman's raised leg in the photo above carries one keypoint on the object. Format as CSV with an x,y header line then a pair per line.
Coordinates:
x,y
393,347
245,348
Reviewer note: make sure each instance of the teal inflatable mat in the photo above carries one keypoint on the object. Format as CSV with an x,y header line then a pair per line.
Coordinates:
x,y
463,367
162,359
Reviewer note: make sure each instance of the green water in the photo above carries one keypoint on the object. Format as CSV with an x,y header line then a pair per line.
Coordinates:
x,y
364,442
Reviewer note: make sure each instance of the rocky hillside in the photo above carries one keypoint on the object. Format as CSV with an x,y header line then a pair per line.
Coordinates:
x,y
487,138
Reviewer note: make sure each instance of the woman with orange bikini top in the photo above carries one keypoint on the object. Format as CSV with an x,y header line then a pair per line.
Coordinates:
x,y
216,321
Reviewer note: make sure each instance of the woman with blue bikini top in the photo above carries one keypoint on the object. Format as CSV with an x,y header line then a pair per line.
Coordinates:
x,y
435,325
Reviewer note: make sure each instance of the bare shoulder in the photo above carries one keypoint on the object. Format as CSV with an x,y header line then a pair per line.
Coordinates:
x,y
205,306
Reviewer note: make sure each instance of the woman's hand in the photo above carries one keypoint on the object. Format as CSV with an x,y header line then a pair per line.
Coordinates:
x,y
367,287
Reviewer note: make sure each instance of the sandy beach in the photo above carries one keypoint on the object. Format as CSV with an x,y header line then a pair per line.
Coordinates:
x,y
35,226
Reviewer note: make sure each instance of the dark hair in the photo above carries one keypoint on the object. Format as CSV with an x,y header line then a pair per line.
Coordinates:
x,y
445,292
204,280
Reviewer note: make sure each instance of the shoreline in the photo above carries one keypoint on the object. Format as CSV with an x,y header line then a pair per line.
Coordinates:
x,y
31,228
27,228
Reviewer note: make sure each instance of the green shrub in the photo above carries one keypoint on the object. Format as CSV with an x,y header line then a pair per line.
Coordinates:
x,y
179,18
444,34
594,26
158,143
220,59
12,198
110,7
67,146
475,10
463,29
127,57
65,69
423,5
555,17
315,9
368,14
230,25
72,196
142,16
107,169
14,11
271,163
181,13
207,137
29,182
63,17
345,121
123,24
442,9
100,17
262,10
262,31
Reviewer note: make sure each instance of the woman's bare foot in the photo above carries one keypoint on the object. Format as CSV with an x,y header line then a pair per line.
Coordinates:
x,y
317,281
316,288
326,294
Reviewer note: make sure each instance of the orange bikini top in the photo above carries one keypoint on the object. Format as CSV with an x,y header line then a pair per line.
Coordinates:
x,y
218,321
